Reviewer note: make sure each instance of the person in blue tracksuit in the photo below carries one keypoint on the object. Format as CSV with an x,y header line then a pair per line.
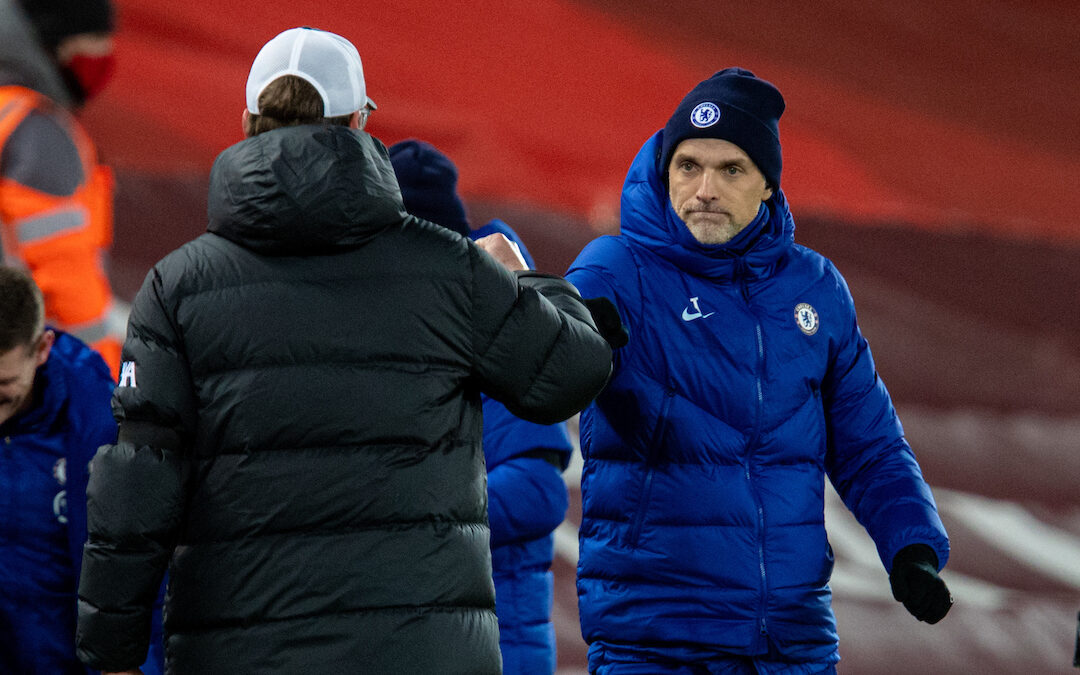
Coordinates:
x,y
745,383
54,413
527,498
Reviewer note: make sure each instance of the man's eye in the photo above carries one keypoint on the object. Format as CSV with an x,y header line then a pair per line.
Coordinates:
x,y
732,170
687,166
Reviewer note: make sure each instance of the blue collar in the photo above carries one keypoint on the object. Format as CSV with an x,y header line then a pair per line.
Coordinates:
x,y
49,394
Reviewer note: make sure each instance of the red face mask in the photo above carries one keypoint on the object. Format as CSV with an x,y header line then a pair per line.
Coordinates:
x,y
90,73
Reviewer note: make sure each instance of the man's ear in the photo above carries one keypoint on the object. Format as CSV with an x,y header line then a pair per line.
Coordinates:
x,y
767,194
43,347
354,121
244,122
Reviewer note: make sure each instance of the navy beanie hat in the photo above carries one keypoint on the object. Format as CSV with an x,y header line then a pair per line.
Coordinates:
x,y
733,105
58,19
428,181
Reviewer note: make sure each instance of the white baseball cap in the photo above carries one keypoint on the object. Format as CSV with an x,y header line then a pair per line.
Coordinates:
x,y
329,62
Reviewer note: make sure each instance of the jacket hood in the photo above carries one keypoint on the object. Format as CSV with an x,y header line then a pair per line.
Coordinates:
x,y
23,61
302,190
649,219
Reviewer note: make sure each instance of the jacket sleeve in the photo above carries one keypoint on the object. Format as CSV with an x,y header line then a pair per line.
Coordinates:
x,y
868,459
536,348
605,268
527,497
98,429
136,491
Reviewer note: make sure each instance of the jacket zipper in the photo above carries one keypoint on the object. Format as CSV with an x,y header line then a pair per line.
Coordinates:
x,y
650,466
750,445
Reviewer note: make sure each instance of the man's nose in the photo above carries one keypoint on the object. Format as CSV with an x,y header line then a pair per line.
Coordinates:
x,y
706,188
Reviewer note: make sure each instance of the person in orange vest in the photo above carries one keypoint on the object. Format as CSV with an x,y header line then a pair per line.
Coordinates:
x,y
55,198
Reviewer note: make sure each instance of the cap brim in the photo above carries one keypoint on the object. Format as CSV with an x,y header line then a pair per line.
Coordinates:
x,y
370,104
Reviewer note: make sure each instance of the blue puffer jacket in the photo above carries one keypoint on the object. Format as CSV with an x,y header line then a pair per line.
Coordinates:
x,y
745,382
43,475
527,499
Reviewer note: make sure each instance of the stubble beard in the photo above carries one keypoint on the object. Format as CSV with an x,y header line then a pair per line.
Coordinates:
x,y
712,230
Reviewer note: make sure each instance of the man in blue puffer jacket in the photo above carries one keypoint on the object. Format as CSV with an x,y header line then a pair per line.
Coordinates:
x,y
54,413
745,383
527,498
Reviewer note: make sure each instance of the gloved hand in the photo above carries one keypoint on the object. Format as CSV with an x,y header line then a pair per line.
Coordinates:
x,y
607,321
915,582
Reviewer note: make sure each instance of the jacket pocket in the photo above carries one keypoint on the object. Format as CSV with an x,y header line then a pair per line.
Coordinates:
x,y
652,459
820,426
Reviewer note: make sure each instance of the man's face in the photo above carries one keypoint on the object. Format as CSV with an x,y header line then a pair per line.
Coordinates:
x,y
715,188
17,369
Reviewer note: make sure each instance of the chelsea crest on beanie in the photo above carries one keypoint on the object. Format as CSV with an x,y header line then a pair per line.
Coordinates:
x,y
733,105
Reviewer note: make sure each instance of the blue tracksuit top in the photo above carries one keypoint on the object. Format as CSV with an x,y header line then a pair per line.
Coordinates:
x,y
527,499
44,457
745,382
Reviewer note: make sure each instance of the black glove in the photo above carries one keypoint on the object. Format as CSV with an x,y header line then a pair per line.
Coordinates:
x,y
915,582
607,321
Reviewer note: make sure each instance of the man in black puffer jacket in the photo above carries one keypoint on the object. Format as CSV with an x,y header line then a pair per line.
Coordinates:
x,y
299,409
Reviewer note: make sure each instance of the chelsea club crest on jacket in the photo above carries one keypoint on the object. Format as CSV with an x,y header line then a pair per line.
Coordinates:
x,y
745,383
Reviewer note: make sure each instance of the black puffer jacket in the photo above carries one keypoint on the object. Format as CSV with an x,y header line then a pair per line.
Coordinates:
x,y
300,418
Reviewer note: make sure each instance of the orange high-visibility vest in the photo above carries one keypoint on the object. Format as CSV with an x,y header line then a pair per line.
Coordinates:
x,y
62,240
